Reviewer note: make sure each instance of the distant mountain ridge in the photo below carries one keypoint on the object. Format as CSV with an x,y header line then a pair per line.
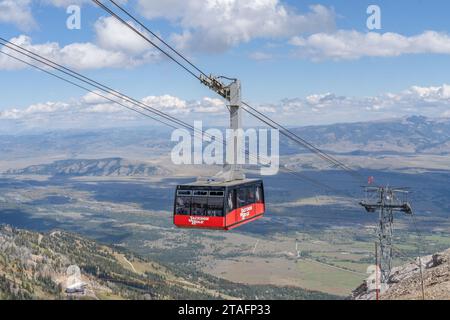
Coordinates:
x,y
92,167
412,135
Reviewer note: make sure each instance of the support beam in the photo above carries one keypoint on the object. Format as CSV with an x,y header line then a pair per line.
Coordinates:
x,y
232,93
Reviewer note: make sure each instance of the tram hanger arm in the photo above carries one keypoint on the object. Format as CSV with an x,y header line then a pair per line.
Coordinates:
x,y
218,86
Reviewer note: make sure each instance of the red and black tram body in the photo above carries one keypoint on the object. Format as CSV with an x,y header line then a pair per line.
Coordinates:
x,y
218,205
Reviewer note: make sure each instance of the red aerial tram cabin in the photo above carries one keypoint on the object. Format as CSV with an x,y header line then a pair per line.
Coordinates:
x,y
218,205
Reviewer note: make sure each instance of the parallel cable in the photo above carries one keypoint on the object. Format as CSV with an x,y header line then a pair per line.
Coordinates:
x,y
291,135
82,87
117,17
274,127
283,130
131,100
119,95
95,84
159,38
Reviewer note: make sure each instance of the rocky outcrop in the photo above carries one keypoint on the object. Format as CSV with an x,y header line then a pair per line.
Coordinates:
x,y
405,282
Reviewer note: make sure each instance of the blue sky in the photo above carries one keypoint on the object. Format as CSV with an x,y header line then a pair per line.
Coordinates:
x,y
295,68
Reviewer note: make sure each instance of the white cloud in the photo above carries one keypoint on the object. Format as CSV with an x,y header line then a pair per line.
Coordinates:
x,y
105,108
175,105
112,34
431,94
217,25
75,55
167,103
81,55
116,45
92,110
90,56
93,98
350,44
34,110
327,108
208,105
17,12
322,100
66,3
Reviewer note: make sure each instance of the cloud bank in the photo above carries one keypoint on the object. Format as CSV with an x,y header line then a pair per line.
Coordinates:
x,y
351,45
215,26
92,110
116,47
218,25
18,13
327,108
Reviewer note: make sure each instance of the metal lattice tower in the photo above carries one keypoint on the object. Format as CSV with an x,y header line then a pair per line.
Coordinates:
x,y
387,201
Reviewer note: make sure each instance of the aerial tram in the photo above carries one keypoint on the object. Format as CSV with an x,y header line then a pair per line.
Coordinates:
x,y
228,199
219,205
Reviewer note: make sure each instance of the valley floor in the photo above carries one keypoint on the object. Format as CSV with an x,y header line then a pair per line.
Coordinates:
x,y
302,243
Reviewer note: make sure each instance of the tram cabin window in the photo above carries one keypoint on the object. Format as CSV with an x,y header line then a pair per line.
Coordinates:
x,y
250,195
215,203
200,203
183,203
241,197
259,195
246,196
231,200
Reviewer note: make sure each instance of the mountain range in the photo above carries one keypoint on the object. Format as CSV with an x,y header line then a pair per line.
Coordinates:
x,y
92,167
406,136
412,135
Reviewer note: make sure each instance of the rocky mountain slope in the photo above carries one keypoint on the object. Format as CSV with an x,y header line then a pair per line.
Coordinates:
x,y
37,266
92,167
413,135
406,281
62,265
